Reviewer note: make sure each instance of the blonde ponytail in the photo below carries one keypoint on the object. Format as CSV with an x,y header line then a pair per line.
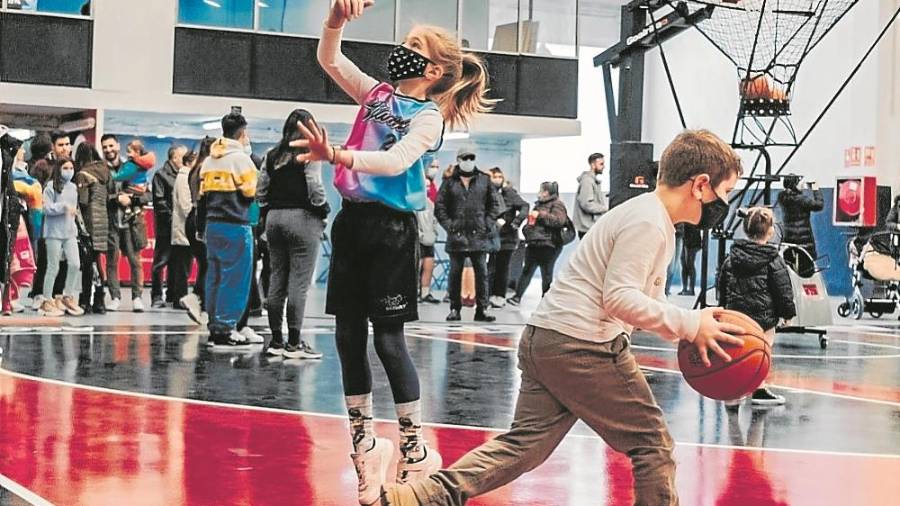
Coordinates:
x,y
462,92
468,96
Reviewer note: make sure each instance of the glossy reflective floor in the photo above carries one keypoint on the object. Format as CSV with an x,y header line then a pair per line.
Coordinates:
x,y
137,411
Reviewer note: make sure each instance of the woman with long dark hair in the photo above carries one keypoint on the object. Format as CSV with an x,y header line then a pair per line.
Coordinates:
x,y
61,236
292,200
92,180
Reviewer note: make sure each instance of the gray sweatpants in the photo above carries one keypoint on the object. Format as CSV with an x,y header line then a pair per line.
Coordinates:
x,y
293,236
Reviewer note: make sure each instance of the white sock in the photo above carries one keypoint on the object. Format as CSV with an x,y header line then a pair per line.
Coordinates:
x,y
362,430
412,443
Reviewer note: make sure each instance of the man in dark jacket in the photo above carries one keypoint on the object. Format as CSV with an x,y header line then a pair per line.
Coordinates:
x,y
467,208
796,207
516,211
127,238
163,188
590,201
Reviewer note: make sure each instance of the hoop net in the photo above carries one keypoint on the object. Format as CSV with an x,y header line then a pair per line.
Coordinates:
x,y
769,38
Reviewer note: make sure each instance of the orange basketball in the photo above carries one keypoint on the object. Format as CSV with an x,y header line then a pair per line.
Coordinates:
x,y
756,87
724,381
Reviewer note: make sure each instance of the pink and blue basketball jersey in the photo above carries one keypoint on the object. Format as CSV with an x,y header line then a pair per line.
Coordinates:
x,y
382,121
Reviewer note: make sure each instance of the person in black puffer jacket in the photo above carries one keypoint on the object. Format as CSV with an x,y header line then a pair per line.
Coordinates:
x,y
754,280
797,207
467,208
516,212
542,239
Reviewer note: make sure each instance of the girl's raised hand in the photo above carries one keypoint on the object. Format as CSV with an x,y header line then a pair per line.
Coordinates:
x,y
343,11
314,139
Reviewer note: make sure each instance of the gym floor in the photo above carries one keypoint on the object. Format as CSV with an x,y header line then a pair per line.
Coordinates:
x,y
138,411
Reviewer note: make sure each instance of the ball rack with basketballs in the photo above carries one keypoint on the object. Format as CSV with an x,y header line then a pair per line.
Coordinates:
x,y
767,41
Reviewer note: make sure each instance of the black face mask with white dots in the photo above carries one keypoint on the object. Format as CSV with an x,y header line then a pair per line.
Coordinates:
x,y
404,63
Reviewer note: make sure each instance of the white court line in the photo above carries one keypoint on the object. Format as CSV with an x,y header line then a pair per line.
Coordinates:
x,y
874,345
800,390
239,407
23,492
816,392
801,357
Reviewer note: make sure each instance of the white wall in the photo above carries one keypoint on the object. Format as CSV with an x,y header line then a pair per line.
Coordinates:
x,y
889,100
708,87
132,71
563,159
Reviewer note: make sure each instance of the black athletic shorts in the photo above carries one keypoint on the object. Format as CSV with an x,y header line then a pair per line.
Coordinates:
x,y
426,251
374,264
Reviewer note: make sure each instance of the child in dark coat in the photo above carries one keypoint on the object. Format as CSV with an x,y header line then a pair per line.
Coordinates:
x,y
754,280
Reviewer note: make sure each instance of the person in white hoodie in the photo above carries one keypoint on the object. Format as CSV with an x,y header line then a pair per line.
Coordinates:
x,y
180,259
575,352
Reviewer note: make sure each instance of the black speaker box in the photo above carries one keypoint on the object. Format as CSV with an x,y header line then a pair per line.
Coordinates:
x,y
632,171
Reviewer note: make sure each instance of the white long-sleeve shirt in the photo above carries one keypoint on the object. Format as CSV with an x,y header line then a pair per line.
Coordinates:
x,y
425,129
615,281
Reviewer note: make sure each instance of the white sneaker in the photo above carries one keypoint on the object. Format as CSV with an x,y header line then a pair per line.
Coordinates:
x,y
16,307
204,318
302,350
114,305
192,304
409,470
498,302
137,305
371,469
251,336
37,302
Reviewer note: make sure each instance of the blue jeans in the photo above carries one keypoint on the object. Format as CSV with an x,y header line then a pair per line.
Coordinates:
x,y
229,253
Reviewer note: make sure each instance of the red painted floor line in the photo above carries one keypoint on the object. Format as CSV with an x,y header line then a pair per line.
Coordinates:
x,y
78,446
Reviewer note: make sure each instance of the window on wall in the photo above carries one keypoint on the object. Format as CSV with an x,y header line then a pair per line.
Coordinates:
x,y
376,25
490,25
426,12
224,13
76,7
548,27
301,17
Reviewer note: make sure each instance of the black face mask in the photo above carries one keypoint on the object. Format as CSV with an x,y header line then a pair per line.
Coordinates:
x,y
713,213
404,63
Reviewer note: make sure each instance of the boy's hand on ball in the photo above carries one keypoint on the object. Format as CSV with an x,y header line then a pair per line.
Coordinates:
x,y
712,332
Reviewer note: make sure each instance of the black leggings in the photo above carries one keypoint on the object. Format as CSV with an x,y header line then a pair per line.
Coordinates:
x,y
688,268
498,272
352,335
538,256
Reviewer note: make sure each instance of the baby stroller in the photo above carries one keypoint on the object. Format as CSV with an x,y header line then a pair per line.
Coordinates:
x,y
810,294
876,275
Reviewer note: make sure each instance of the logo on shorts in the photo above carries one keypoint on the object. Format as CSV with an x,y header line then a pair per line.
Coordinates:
x,y
394,303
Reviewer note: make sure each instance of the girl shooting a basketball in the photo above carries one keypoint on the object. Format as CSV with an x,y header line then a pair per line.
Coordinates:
x,y
574,354
380,173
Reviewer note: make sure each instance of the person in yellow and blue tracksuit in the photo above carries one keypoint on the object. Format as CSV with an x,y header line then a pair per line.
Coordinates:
x,y
227,189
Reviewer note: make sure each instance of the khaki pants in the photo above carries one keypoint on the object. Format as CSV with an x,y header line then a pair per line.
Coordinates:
x,y
564,380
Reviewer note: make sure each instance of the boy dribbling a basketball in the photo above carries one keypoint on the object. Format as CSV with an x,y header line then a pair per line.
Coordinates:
x,y
574,354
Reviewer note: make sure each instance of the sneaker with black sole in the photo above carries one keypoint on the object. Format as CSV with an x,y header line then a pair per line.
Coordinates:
x,y
454,316
429,299
765,397
302,351
481,316
158,304
514,301
234,341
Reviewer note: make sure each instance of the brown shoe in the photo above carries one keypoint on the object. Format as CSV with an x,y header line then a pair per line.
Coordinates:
x,y
59,303
72,306
48,308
